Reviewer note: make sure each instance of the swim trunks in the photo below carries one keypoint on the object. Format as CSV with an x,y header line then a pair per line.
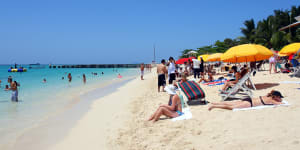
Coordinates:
x,y
142,73
161,80
14,96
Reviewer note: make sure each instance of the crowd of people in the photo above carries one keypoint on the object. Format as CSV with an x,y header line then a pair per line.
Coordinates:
x,y
174,73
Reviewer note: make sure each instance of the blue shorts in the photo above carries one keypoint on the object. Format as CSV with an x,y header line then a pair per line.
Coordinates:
x,y
179,113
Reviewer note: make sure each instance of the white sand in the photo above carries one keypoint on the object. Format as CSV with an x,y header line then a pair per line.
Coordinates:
x,y
118,121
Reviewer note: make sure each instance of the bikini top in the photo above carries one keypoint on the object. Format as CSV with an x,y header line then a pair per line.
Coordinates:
x,y
261,100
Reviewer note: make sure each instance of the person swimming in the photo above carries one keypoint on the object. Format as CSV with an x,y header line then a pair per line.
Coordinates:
x,y
44,80
119,76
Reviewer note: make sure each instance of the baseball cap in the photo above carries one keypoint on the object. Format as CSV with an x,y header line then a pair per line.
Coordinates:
x,y
277,93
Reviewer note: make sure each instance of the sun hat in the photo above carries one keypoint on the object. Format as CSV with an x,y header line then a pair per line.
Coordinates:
x,y
170,89
277,93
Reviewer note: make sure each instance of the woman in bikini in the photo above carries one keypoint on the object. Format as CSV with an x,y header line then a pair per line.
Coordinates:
x,y
170,111
237,76
210,78
272,98
174,109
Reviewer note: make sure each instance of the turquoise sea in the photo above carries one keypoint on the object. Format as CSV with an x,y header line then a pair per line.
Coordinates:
x,y
38,100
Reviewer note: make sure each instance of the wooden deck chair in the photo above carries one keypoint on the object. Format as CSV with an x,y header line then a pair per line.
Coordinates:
x,y
193,93
241,85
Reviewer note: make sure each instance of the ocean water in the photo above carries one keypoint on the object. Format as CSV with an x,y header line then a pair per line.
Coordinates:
x,y
38,100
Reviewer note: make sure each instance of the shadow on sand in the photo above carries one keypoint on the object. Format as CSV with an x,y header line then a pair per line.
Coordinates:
x,y
261,86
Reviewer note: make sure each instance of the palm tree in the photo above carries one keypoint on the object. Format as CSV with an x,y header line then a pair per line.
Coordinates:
x,y
249,31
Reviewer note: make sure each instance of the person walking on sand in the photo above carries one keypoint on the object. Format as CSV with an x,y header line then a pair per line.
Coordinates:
x,y
272,62
161,71
171,70
142,71
84,78
70,77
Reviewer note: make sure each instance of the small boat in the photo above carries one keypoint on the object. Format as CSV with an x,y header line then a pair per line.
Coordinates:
x,y
36,66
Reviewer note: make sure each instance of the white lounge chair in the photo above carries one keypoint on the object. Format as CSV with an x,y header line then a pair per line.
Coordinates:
x,y
241,85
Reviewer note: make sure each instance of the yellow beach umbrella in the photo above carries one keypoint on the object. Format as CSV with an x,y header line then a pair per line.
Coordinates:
x,y
214,57
204,57
246,53
289,49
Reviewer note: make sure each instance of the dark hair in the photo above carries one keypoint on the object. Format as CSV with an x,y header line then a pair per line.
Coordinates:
x,y
171,58
234,68
163,61
275,93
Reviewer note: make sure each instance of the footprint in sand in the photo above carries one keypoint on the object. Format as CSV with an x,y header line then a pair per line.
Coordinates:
x,y
296,142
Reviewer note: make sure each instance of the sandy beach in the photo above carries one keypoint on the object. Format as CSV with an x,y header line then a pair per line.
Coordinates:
x,y
118,121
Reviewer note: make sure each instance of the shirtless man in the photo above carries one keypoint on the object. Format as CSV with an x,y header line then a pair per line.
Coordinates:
x,y
161,71
14,88
142,71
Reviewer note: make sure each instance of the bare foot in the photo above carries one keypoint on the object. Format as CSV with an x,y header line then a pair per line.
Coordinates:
x,y
210,108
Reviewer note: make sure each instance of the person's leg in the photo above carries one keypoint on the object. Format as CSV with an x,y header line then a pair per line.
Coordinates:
x,y
227,102
166,112
226,85
229,107
195,73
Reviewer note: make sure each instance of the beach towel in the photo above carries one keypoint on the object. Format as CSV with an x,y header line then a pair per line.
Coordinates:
x,y
215,82
285,103
186,115
192,90
289,82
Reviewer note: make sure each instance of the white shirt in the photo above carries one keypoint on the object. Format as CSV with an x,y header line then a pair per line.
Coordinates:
x,y
171,68
196,63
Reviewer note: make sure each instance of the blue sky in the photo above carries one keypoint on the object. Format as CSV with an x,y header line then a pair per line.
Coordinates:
x,y
120,31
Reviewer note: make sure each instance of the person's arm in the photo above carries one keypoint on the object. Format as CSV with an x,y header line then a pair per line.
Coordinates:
x,y
276,103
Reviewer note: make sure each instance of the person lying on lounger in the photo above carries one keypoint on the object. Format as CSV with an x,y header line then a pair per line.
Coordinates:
x,y
237,77
210,78
272,98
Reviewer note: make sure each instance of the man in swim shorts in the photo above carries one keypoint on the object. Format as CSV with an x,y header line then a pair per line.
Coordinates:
x,y
161,71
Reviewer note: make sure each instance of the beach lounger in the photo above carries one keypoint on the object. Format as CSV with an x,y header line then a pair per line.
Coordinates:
x,y
241,85
193,93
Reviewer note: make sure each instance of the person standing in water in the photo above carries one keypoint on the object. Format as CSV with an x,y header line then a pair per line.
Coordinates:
x,y
70,77
84,78
142,71
14,94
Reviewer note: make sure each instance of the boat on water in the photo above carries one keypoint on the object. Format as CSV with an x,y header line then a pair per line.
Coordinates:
x,y
36,66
